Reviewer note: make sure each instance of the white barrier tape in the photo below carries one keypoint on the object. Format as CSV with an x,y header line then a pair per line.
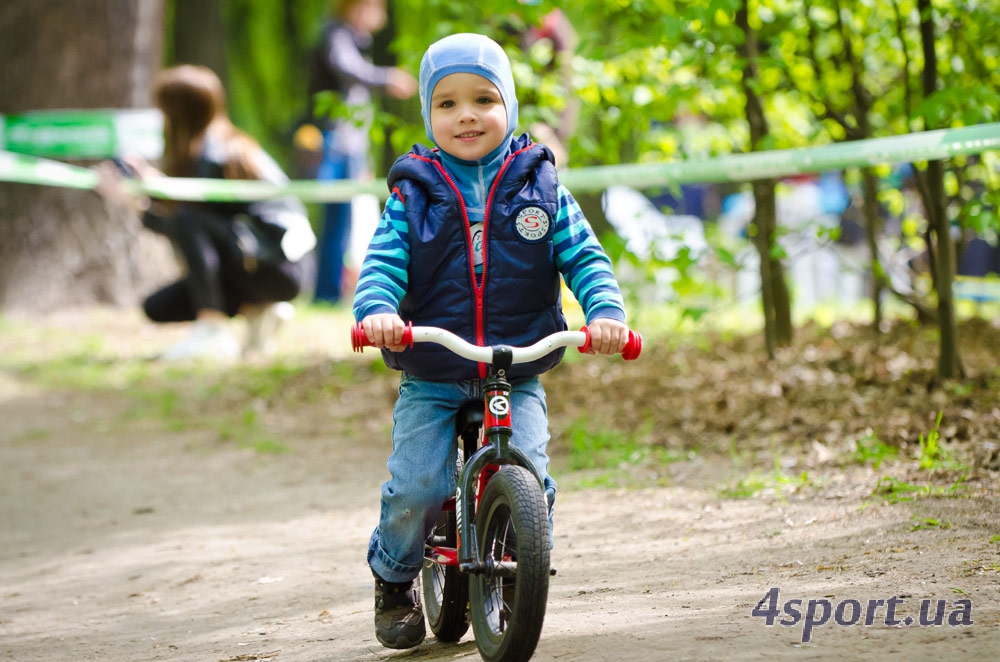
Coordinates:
x,y
921,146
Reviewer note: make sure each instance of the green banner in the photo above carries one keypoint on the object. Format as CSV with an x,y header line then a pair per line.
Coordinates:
x,y
928,145
83,134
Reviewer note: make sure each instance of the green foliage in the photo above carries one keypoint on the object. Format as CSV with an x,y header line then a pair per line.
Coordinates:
x,y
927,523
934,456
610,457
643,70
248,432
592,447
267,43
870,450
894,490
775,482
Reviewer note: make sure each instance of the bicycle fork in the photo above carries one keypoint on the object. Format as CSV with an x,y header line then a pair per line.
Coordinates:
x,y
496,450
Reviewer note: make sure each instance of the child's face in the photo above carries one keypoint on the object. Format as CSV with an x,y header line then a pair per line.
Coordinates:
x,y
468,117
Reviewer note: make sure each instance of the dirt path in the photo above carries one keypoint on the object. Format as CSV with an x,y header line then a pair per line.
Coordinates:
x,y
122,540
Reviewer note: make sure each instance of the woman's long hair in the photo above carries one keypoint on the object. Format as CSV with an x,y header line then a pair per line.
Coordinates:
x,y
193,103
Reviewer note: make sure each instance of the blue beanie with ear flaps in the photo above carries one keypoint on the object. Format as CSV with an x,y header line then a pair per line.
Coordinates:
x,y
467,53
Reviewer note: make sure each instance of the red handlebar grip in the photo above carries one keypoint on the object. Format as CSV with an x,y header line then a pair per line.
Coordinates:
x,y
633,347
586,345
631,351
359,340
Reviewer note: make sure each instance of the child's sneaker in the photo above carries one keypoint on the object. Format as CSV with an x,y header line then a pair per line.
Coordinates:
x,y
208,340
399,620
263,322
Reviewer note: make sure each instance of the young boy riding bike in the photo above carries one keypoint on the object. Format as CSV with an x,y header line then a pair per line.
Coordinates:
x,y
473,239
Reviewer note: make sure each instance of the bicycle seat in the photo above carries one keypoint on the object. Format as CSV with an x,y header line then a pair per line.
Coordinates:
x,y
469,416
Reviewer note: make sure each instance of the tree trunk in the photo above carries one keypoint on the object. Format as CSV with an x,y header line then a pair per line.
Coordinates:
x,y
869,180
949,362
762,235
775,298
62,247
873,231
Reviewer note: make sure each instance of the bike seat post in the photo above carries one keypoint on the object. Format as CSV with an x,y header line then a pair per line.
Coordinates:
x,y
497,392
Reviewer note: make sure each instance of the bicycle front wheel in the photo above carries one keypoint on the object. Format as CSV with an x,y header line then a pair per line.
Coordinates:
x,y
507,599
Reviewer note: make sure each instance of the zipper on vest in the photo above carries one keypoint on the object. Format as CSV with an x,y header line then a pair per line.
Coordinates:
x,y
477,289
478,284
481,291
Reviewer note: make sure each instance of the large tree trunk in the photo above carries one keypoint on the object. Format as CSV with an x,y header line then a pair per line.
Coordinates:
x,y
62,247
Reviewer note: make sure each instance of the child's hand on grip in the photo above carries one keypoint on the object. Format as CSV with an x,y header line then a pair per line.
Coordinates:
x,y
385,330
607,336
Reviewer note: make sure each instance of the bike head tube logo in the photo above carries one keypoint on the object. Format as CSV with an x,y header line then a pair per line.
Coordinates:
x,y
499,406
532,224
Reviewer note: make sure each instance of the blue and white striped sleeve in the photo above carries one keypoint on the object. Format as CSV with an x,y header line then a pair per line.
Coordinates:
x,y
383,279
584,264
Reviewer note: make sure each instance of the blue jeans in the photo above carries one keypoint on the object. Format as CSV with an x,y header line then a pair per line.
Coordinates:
x,y
422,464
335,236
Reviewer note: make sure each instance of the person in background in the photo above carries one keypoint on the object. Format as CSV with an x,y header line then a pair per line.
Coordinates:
x,y
240,258
341,63
474,238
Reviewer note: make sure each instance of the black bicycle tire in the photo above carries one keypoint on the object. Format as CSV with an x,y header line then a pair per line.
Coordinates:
x,y
512,496
445,589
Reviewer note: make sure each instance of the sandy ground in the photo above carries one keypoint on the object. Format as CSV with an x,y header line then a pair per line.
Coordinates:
x,y
122,539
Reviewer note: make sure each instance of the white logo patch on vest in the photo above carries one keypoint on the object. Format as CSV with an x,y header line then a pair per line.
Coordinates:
x,y
532,223
476,233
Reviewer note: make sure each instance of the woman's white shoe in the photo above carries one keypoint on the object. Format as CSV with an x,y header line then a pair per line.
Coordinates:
x,y
207,340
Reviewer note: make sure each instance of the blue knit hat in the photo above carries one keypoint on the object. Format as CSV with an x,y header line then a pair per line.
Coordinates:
x,y
469,54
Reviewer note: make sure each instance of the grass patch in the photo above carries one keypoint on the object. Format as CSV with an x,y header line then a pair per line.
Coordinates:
x,y
927,523
31,435
174,397
774,482
934,456
894,490
870,450
612,458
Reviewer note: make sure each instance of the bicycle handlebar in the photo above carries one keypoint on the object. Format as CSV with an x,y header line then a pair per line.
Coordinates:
x,y
579,339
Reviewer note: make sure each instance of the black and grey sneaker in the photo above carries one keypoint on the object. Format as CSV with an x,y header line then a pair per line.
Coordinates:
x,y
399,620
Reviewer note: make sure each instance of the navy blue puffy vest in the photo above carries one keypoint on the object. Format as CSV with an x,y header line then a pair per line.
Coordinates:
x,y
519,302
